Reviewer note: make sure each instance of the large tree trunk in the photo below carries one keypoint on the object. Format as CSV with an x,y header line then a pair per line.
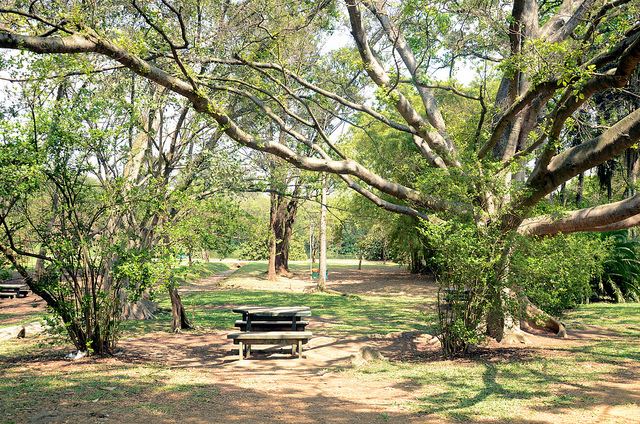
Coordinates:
x,y
141,310
283,230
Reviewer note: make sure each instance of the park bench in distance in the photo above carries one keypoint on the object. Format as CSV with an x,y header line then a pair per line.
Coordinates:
x,y
12,290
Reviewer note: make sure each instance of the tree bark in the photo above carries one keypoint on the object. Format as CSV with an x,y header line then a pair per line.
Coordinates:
x,y
286,211
580,188
141,310
633,167
180,320
205,255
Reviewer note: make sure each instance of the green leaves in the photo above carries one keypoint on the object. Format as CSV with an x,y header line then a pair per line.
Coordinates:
x,y
556,272
471,270
620,279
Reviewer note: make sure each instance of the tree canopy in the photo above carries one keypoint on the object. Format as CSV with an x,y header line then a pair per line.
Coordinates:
x,y
553,58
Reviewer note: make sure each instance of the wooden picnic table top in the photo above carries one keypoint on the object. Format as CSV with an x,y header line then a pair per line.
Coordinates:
x,y
273,311
12,285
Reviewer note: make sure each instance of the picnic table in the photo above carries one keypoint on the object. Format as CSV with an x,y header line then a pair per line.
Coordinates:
x,y
12,290
265,325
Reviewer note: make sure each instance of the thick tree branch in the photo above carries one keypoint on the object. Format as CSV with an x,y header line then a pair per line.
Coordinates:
x,y
377,73
513,111
615,78
569,16
578,159
601,218
377,8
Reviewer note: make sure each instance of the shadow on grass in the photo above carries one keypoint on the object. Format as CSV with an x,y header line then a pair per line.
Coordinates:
x,y
163,395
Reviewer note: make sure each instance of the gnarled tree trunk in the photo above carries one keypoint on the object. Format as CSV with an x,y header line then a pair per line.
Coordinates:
x,y
286,211
180,320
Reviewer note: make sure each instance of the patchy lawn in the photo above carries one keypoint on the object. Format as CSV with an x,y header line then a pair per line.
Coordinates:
x,y
194,377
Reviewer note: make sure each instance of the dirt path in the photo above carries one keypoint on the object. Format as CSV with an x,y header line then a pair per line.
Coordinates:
x,y
273,387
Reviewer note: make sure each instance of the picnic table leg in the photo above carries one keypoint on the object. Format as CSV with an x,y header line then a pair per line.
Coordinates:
x,y
241,350
300,349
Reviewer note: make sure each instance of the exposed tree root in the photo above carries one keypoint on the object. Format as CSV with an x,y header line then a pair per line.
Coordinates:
x,y
538,319
515,336
144,309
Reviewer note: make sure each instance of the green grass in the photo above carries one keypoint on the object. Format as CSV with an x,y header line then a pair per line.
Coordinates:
x,y
26,318
354,315
200,270
257,270
105,384
499,390
506,389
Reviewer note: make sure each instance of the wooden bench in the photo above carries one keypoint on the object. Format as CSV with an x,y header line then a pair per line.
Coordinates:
x,y
294,338
13,290
268,325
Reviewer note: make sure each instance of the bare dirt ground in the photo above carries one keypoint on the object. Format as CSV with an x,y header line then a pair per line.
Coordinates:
x,y
274,387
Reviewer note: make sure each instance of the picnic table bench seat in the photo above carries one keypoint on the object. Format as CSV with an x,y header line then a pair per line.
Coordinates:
x,y
246,339
267,325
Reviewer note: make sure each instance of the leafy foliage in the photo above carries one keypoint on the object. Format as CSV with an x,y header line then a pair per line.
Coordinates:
x,y
556,272
620,277
470,271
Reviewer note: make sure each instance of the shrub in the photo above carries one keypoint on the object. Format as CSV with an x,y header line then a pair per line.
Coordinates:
x,y
5,274
619,280
556,272
469,271
481,273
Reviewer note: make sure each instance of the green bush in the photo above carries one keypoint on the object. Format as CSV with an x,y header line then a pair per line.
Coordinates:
x,y
619,280
297,250
256,249
253,250
5,274
556,272
482,272
469,272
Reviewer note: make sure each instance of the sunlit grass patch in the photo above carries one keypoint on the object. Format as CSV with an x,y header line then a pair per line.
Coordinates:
x,y
352,315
